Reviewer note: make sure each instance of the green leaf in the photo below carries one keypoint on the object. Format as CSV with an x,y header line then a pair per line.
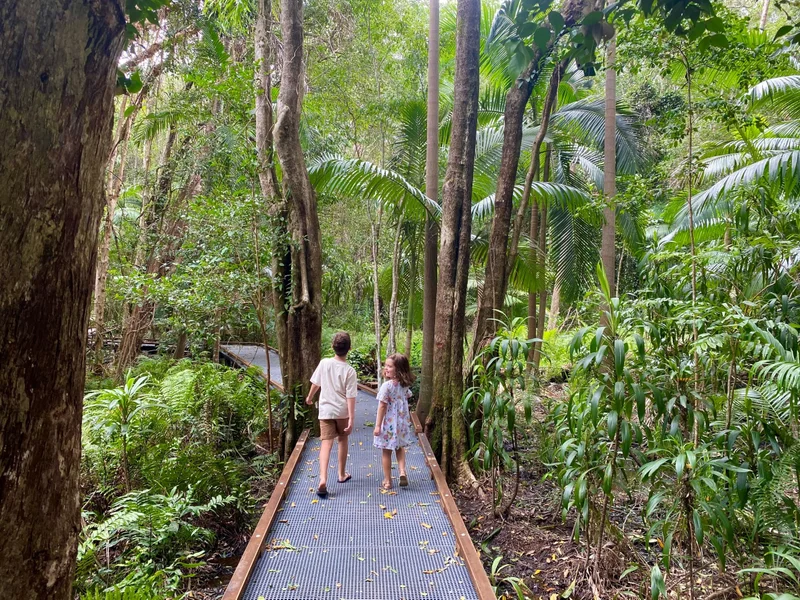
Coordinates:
x,y
653,502
680,464
698,526
715,24
657,586
718,39
556,21
592,18
607,479
619,357
541,38
520,59
612,419
638,393
782,31
527,28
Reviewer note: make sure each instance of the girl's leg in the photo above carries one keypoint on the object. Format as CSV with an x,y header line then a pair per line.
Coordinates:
x,y
401,460
386,462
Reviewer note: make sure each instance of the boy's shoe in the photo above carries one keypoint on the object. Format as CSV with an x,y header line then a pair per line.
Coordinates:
x,y
403,481
322,491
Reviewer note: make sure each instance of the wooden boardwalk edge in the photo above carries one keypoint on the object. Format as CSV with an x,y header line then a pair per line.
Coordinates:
x,y
247,563
464,546
247,364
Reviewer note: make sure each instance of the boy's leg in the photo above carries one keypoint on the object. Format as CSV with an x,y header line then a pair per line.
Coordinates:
x,y
343,441
386,462
324,459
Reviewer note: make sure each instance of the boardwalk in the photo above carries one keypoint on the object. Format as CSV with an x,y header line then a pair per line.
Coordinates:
x,y
254,355
360,542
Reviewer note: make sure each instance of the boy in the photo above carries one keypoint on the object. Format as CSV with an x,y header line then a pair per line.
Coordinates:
x,y
337,407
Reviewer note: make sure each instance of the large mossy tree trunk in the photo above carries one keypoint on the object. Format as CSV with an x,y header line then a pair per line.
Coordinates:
x,y
267,176
429,276
56,113
301,305
445,417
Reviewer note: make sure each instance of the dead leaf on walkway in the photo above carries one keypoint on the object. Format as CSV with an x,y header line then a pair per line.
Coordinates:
x,y
426,526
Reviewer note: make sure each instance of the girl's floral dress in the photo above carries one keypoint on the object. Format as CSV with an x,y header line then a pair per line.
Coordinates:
x,y
396,430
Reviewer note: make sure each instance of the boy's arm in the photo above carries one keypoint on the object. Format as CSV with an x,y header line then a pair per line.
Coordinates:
x,y
311,393
379,419
351,415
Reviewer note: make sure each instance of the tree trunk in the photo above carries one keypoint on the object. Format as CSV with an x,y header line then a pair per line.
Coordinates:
x,y
431,231
497,264
116,180
533,171
608,244
139,315
454,245
56,120
555,305
762,24
392,343
542,268
410,305
268,180
532,321
180,346
303,332
375,230
264,118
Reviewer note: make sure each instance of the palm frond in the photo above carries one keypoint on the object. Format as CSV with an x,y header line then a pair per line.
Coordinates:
x,y
782,170
779,92
360,178
544,192
585,120
574,248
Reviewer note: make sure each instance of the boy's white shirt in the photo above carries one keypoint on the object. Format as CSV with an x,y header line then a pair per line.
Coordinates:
x,y
338,382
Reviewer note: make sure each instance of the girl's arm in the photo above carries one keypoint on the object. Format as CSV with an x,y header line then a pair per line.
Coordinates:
x,y
379,419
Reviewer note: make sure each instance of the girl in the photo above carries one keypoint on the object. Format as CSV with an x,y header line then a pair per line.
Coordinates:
x,y
393,429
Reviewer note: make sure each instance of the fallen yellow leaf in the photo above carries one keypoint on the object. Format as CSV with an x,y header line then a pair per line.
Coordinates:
x,y
315,501
388,515
426,526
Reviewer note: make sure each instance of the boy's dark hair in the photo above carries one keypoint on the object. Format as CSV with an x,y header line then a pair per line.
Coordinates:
x,y
402,369
341,343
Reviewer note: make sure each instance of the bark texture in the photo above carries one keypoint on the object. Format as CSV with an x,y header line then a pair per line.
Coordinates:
x,y
608,243
497,264
301,305
431,231
456,229
57,79
267,176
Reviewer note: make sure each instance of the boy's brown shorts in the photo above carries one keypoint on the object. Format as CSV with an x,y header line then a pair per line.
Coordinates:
x,y
330,429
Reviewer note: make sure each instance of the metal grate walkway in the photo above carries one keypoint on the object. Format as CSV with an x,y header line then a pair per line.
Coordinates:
x,y
360,542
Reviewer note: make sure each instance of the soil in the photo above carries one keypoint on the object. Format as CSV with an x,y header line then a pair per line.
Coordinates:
x,y
535,543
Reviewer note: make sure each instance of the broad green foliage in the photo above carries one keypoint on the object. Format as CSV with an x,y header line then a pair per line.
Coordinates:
x,y
185,435
496,397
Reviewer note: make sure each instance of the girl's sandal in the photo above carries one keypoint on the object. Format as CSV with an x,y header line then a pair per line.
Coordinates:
x,y
403,481
386,485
